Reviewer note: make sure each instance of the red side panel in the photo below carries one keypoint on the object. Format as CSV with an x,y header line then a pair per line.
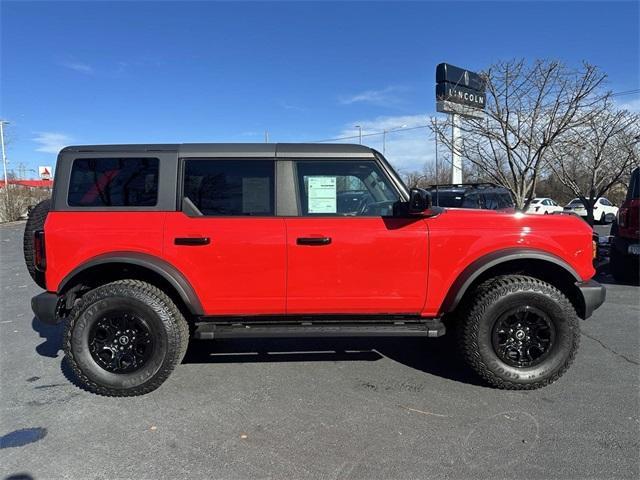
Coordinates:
x,y
73,238
241,271
458,237
371,265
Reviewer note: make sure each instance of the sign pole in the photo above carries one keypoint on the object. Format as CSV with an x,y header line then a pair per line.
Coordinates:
x,y
456,161
4,161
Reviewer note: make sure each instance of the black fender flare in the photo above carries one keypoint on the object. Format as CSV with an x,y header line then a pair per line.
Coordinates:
x,y
167,271
479,266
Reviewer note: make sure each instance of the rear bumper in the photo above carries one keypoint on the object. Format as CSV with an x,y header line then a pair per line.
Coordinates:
x,y
44,307
593,295
622,244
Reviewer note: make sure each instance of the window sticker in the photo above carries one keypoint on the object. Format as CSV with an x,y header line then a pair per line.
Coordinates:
x,y
255,194
321,194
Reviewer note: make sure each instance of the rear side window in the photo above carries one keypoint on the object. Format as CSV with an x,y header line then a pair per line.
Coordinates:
x,y
472,200
113,182
505,201
230,187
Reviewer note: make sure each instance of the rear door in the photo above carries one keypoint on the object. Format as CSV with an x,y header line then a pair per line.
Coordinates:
x,y
227,240
346,253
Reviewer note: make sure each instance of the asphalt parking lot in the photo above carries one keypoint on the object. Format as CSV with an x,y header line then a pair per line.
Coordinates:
x,y
334,409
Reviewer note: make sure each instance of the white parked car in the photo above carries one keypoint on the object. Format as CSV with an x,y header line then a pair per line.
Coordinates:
x,y
543,206
603,210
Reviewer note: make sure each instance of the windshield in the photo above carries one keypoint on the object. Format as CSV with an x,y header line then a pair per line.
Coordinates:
x,y
535,200
576,202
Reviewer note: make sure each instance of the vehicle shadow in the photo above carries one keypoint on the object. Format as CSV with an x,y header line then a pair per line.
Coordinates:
x,y
52,335
604,276
436,356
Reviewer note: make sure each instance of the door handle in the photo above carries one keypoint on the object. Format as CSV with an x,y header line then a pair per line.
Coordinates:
x,y
317,241
192,241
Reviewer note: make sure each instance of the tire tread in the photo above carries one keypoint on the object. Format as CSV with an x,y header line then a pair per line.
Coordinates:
x,y
178,337
489,292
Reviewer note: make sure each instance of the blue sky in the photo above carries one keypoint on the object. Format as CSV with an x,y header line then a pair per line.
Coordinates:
x,y
139,72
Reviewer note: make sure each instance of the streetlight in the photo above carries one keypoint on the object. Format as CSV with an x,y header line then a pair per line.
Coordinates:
x,y
4,159
384,136
359,133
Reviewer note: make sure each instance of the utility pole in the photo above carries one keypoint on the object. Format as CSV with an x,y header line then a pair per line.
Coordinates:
x,y
384,136
437,164
266,136
4,159
359,134
456,160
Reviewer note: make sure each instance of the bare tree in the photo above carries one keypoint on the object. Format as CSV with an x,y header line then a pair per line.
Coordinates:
x,y
596,156
19,201
428,175
529,108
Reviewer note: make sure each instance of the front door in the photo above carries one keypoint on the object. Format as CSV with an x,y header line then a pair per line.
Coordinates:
x,y
227,240
346,253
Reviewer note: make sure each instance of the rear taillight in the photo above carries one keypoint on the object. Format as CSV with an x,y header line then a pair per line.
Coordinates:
x,y
39,252
622,217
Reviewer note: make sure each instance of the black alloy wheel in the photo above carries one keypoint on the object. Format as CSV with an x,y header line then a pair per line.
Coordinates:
x,y
120,342
523,336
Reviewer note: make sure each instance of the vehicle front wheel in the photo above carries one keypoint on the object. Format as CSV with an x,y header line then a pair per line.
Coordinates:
x,y
519,332
125,338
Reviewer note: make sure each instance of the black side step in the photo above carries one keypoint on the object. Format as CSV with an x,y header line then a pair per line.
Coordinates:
x,y
432,327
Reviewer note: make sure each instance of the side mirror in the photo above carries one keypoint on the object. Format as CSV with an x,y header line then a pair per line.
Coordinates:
x,y
419,200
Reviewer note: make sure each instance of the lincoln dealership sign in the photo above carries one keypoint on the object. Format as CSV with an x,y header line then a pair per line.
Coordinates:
x,y
458,94
459,91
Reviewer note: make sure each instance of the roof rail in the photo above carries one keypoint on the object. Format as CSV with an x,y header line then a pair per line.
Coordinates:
x,y
465,185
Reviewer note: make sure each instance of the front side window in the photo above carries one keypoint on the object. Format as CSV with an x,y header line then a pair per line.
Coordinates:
x,y
344,188
230,187
113,182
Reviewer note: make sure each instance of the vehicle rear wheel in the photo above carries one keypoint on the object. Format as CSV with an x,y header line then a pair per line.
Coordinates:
x,y
125,338
35,222
519,333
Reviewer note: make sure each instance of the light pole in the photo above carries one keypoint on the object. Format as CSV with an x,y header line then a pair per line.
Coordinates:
x,y
4,159
359,134
384,136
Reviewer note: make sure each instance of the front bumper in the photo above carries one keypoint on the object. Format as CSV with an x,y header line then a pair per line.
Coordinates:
x,y
44,307
593,295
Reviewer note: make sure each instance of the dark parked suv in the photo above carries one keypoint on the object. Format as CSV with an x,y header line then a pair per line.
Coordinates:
x,y
625,245
486,196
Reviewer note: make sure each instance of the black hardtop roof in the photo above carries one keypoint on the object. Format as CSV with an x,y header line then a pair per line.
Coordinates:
x,y
281,150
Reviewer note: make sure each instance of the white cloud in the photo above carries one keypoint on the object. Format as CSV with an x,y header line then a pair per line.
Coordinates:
x,y
388,96
78,67
632,105
51,142
407,149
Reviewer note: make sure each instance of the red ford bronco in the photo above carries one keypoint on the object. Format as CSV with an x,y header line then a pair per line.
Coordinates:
x,y
144,246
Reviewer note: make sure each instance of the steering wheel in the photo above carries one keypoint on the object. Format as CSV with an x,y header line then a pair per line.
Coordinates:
x,y
374,209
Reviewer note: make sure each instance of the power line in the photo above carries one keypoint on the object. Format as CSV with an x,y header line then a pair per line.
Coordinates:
x,y
627,92
373,134
383,132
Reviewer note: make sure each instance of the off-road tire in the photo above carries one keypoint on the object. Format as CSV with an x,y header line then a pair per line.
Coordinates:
x,y
168,327
35,222
490,301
